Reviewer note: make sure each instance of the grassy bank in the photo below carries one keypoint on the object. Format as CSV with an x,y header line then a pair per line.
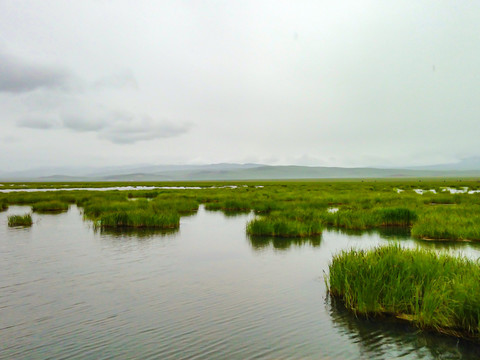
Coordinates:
x,y
433,291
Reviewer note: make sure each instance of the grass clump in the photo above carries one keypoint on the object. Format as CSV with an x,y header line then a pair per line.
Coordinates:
x,y
433,291
283,227
50,206
139,219
358,219
396,216
20,220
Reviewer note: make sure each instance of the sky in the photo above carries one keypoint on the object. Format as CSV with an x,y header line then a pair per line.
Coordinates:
x,y
318,83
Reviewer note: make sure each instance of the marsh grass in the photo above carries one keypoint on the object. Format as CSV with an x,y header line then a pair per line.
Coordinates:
x,y
449,223
180,205
139,218
20,220
293,208
283,227
231,205
431,290
49,206
396,216
98,207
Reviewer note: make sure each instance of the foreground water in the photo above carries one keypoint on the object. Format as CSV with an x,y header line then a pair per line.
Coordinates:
x,y
206,291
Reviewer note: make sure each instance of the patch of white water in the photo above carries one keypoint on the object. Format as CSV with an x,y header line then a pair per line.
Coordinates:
x,y
421,191
122,188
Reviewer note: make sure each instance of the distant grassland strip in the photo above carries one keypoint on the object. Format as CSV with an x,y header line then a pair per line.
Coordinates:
x,y
284,208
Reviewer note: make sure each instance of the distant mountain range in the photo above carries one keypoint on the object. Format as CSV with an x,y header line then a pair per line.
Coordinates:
x,y
466,168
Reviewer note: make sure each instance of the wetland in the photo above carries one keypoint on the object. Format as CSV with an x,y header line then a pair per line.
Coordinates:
x,y
214,271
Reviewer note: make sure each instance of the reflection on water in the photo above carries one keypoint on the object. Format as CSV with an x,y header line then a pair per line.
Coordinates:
x,y
50,212
386,232
379,337
452,246
281,243
231,213
137,233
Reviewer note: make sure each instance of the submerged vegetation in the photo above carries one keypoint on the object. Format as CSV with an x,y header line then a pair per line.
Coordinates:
x,y
20,220
445,210
433,291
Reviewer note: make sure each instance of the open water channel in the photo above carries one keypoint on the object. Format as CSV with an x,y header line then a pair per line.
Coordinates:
x,y
206,291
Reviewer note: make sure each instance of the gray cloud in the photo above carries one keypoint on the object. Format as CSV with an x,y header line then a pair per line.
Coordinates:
x,y
81,123
145,128
38,122
123,79
18,76
76,114
8,139
121,127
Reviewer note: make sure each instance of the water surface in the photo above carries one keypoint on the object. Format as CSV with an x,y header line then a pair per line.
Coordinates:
x,y
206,291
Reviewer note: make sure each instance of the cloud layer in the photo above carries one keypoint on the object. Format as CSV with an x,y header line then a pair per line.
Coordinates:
x,y
117,127
18,76
55,108
348,83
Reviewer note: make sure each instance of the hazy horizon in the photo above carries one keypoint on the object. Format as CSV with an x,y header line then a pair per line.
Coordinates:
x,y
345,84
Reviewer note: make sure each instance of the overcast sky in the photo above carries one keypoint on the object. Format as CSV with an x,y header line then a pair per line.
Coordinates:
x,y
327,83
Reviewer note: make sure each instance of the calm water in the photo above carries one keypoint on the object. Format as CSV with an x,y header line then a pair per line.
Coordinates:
x,y
206,291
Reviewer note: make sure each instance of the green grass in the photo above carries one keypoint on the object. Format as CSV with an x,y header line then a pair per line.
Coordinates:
x,y
180,205
138,219
396,216
433,291
292,208
97,207
449,223
283,227
50,206
20,220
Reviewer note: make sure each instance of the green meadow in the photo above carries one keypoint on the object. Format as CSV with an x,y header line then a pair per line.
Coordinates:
x,y
282,208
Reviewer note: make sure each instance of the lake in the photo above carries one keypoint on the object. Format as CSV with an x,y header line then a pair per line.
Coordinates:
x,y
206,291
